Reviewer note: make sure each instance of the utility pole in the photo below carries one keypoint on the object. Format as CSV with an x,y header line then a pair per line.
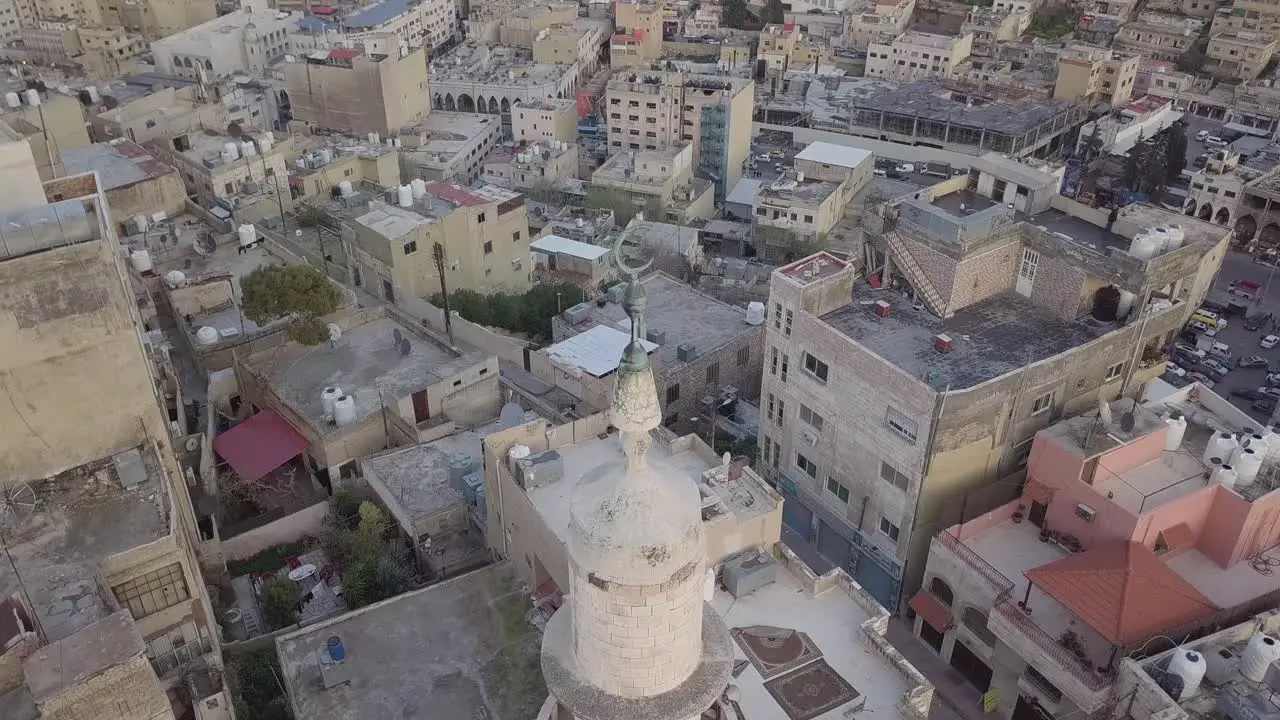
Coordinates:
x,y
437,253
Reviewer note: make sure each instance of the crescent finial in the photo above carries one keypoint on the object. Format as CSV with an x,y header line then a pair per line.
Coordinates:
x,y
619,258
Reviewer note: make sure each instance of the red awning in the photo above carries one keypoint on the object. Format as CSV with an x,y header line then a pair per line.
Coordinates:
x,y
259,445
932,610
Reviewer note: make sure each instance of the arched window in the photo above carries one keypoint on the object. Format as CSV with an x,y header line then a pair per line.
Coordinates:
x,y
941,590
976,621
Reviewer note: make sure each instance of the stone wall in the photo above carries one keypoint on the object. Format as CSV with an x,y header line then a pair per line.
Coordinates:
x,y
126,690
290,528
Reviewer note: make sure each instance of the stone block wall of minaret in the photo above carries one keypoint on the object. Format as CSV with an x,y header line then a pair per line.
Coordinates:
x,y
638,641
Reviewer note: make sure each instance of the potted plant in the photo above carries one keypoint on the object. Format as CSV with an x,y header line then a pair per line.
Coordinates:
x,y
1017,514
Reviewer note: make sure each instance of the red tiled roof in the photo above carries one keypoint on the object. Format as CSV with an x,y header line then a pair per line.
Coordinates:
x,y
454,194
259,445
343,54
1123,591
931,609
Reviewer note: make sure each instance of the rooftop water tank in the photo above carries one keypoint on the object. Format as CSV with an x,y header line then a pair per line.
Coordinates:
x,y
207,335
344,188
248,234
1247,464
12,100
247,149
33,97
755,313
1177,429
1190,666
334,646
328,396
175,278
516,454
140,260
1146,245
265,143
404,194
231,150
1261,651
1220,447
418,187
1224,475
344,411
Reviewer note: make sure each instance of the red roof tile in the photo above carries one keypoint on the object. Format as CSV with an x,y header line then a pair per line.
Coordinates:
x,y
1123,591
259,445
931,609
454,194
343,54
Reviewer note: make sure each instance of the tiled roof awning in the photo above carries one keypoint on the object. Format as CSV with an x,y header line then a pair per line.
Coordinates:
x,y
1036,491
931,609
259,445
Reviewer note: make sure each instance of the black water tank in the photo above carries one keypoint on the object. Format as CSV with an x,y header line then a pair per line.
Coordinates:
x,y
1106,303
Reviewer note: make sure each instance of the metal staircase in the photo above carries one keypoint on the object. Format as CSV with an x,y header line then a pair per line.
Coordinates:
x,y
915,274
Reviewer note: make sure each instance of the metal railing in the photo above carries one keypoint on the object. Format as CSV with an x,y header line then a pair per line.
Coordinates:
x,y
181,656
1065,658
1002,585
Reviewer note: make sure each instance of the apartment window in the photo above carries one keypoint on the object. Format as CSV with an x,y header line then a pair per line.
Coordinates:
x,y
808,218
149,594
776,410
761,211
713,373
480,217
806,465
347,172
633,118
229,188
515,236
889,529
1113,372
840,491
1229,193
807,415
782,371
1042,404
815,367
786,326
891,475
673,393
777,316
488,247
615,116
775,459
744,355
411,247
901,424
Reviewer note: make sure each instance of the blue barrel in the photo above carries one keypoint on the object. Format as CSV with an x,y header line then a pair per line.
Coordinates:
x,y
336,651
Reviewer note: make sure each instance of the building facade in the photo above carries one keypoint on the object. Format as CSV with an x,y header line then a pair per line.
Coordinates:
x,y
356,92
916,55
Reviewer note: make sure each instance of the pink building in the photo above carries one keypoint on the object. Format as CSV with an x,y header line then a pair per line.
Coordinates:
x,y
1127,533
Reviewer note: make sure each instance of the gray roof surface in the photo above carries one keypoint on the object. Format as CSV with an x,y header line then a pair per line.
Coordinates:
x,y
989,338
73,660
457,650
118,163
744,193
928,99
415,478
376,15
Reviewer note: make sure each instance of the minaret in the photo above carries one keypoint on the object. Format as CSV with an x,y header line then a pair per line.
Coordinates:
x,y
636,639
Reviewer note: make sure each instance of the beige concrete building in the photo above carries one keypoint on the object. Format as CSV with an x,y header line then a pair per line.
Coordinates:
x,y
449,146
140,190
155,113
245,40
653,110
578,43
520,25
808,201
786,48
990,27
323,163
1091,74
536,165
545,120
53,124
1241,55
637,40
659,179
1158,37
915,55
877,19
356,92
155,19
484,233
880,427
219,169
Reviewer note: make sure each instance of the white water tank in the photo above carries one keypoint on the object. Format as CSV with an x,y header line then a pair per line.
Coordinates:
x,y
373,138
231,150
247,149
175,278
248,234
94,97
1272,440
405,196
1190,666
1177,429
755,313
516,454
1126,303
419,188
33,97
12,100
1221,447
344,411
1261,651
1247,464
140,260
264,143
207,335
1145,245
344,188
1224,475
328,396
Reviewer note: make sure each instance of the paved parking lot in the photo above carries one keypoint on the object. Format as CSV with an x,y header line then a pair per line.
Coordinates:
x,y
1240,266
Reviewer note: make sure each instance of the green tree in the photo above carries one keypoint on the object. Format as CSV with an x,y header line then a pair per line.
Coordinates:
x,y
256,687
1146,168
299,292
528,313
1175,151
373,563
734,14
310,216
774,12
280,600
1190,61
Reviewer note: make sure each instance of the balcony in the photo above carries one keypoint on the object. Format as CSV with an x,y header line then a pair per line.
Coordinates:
x,y
1081,681
181,657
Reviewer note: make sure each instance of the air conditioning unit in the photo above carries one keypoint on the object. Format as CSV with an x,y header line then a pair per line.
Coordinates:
x,y
1086,513
810,437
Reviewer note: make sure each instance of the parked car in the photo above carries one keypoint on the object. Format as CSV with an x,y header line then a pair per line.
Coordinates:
x,y
1245,288
1272,379
1200,136
1201,378
1220,351
1271,392
763,158
1269,342
1247,394
1203,328
1213,369
1266,406
1254,323
1214,141
906,168
1254,362
1190,349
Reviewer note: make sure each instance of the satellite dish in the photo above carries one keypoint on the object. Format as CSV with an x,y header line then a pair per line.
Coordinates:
x,y
16,504
1126,422
204,245
335,332
398,337
511,415
404,346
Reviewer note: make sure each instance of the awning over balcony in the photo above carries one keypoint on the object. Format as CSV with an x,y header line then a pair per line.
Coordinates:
x,y
932,610
1122,591
259,445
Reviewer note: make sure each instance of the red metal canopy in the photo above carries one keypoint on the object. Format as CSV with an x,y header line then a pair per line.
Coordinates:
x,y
259,445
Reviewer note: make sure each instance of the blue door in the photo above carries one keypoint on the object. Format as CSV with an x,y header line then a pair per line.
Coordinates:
x,y
797,517
881,582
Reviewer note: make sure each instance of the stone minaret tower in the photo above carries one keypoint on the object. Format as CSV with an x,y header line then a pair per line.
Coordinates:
x,y
636,640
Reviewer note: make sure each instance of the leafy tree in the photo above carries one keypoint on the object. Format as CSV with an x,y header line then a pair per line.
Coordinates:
x,y
373,563
528,313
255,685
280,600
774,12
1175,151
1146,168
734,14
299,292
310,216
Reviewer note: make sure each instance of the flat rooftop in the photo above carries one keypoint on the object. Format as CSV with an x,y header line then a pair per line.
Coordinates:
x,y
963,203
932,99
445,652
76,520
73,660
790,190
416,479
684,314
365,363
832,621
474,63
119,163
989,338
639,166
